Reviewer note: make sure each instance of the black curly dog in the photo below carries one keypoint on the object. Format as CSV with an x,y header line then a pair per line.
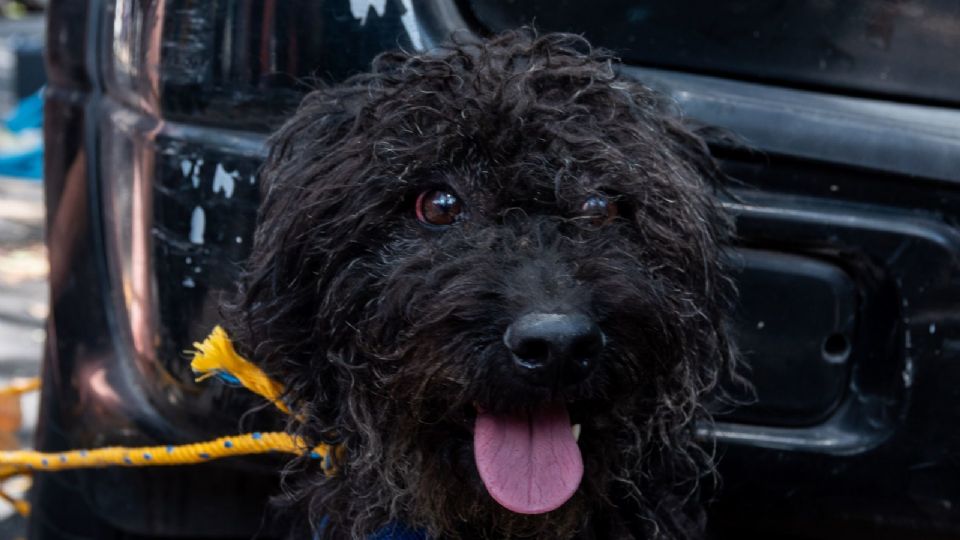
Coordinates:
x,y
492,274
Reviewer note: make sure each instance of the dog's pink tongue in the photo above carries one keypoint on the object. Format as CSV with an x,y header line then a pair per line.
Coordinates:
x,y
529,462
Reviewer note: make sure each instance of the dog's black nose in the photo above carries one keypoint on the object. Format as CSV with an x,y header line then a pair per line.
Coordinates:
x,y
551,347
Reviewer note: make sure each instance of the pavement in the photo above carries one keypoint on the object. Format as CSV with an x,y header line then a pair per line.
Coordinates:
x,y
23,312
23,277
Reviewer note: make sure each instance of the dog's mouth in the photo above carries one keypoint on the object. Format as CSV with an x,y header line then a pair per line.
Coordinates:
x,y
529,460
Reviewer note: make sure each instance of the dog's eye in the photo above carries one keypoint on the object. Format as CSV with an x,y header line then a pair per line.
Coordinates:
x,y
438,207
600,210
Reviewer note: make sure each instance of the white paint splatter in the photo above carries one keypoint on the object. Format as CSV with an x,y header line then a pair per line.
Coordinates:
x,y
239,240
186,166
410,24
760,325
908,372
361,8
933,328
195,179
198,222
189,260
224,181
188,282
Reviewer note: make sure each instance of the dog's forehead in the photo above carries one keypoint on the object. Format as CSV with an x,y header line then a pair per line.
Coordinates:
x,y
538,166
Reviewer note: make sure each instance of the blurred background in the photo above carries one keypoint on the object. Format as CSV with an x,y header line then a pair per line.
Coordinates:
x,y
23,261
157,112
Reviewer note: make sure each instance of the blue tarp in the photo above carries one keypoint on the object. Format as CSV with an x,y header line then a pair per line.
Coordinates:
x,y
24,123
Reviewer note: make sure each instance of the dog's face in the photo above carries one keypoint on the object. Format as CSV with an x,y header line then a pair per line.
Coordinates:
x,y
491,274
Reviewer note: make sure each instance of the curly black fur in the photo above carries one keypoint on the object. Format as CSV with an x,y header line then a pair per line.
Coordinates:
x,y
387,332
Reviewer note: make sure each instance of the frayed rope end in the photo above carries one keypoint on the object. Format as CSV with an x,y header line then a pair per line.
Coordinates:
x,y
216,357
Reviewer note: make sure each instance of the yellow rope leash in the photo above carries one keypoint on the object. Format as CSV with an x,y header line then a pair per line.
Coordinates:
x,y
20,386
22,507
214,357
149,456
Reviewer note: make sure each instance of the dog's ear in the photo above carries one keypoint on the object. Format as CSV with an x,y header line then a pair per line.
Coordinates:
x,y
689,142
273,317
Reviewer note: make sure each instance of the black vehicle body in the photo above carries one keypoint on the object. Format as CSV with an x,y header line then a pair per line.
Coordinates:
x,y
846,192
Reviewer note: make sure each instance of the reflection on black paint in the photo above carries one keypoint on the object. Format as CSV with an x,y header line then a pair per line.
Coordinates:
x,y
896,48
260,56
195,268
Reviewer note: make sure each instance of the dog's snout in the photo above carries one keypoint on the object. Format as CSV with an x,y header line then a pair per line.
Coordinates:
x,y
552,347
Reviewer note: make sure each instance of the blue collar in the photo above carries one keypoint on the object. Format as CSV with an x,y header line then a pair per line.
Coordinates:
x,y
396,531
392,531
